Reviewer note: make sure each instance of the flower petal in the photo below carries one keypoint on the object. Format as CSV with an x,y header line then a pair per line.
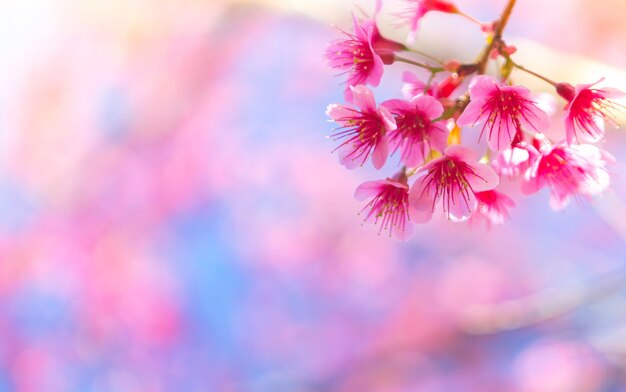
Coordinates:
x,y
368,189
462,204
500,139
397,105
429,106
381,152
339,113
460,152
405,233
482,178
363,98
532,183
388,119
415,154
421,201
472,114
482,87
347,157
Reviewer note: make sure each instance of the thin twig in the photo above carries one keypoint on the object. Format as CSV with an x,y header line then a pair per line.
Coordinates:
x,y
497,36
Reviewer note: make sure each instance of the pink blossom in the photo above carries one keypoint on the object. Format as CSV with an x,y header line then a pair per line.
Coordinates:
x,y
416,133
414,86
389,204
515,160
362,55
448,85
569,171
492,207
414,10
455,178
365,129
503,110
587,110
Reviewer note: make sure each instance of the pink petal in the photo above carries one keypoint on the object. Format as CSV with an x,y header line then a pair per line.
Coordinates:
x,y
368,190
483,178
460,152
338,112
403,235
376,73
438,137
581,87
516,156
346,157
429,106
570,129
360,30
597,184
430,164
410,77
610,92
412,86
500,139
388,119
599,121
420,201
363,98
472,114
415,157
482,87
397,105
558,202
607,157
535,119
381,152
379,6
461,205
531,182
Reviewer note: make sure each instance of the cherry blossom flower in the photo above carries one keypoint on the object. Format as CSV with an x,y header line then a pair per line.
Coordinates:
x,y
454,178
416,133
414,10
389,205
578,171
492,207
414,86
362,55
515,160
587,110
448,85
503,110
364,128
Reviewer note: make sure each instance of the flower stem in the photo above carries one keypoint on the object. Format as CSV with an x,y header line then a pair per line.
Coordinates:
x,y
425,55
470,18
535,74
417,63
497,36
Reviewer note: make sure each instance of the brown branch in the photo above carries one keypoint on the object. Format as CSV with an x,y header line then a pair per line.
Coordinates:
x,y
497,36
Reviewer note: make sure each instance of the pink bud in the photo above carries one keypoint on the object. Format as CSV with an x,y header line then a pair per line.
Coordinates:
x,y
452,65
566,90
449,84
488,27
509,49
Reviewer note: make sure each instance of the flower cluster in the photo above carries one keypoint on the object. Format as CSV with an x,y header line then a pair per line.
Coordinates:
x,y
437,173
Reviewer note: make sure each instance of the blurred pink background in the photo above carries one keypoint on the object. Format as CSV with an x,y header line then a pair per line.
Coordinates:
x,y
172,219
